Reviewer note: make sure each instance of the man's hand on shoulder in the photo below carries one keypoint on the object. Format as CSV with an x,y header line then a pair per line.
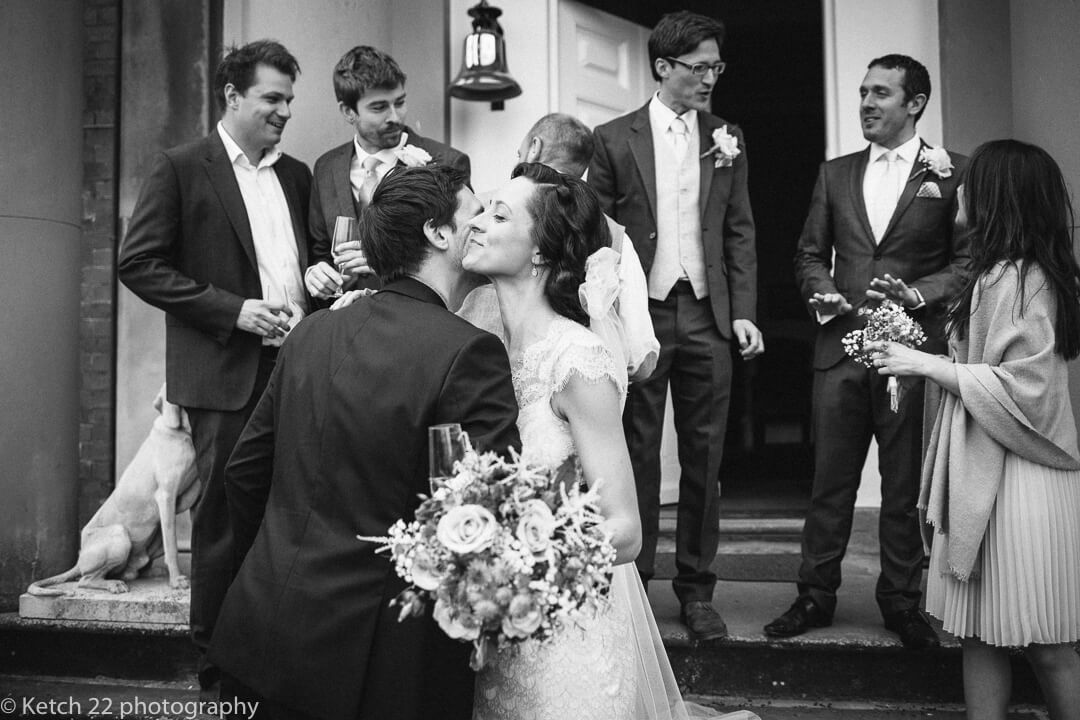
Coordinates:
x,y
263,318
751,341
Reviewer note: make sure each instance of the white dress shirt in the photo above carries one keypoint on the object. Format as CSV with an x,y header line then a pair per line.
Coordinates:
x,y
679,252
873,179
271,228
387,156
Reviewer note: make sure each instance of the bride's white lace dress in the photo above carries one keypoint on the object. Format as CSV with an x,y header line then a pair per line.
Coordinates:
x,y
609,667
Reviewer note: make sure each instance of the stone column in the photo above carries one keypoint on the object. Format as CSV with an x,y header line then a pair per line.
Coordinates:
x,y
41,45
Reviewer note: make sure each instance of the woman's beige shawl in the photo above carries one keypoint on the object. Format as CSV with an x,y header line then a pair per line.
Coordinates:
x,y
1014,397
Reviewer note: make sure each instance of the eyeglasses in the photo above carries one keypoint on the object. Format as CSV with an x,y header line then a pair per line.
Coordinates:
x,y
699,69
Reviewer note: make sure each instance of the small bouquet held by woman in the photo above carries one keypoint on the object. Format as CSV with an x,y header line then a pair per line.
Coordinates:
x,y
887,322
508,551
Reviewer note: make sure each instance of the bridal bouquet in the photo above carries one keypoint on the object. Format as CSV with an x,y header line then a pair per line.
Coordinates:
x,y
508,552
888,322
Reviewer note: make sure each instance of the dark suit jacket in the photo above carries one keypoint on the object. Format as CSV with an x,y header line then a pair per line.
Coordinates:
x,y
920,246
331,193
189,252
338,447
623,172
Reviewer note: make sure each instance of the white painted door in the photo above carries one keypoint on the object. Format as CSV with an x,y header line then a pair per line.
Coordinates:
x,y
603,72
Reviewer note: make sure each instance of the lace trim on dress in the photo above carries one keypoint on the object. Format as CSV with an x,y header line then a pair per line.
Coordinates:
x,y
567,349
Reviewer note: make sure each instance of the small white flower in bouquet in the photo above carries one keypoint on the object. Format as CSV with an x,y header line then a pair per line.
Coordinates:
x,y
507,551
886,322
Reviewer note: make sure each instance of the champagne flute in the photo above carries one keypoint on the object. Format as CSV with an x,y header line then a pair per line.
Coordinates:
x,y
446,445
344,231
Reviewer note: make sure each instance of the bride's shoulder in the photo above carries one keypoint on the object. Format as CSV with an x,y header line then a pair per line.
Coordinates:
x,y
580,351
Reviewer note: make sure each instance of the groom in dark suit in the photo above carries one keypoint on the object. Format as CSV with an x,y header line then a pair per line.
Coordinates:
x,y
675,176
337,447
881,224
370,90
218,240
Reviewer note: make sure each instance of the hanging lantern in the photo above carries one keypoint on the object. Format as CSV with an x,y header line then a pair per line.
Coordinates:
x,y
484,76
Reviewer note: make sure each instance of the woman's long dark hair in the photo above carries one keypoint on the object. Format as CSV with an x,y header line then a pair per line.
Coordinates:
x,y
1018,209
568,227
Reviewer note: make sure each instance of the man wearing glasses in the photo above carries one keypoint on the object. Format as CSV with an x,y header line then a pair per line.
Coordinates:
x,y
675,176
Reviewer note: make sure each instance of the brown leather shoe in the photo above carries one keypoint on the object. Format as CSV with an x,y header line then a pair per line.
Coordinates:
x,y
914,631
703,620
803,614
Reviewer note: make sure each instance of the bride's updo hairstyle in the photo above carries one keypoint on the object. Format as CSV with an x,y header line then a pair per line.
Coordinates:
x,y
568,227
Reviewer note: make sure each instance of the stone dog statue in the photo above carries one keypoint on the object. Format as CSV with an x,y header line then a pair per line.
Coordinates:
x,y
137,522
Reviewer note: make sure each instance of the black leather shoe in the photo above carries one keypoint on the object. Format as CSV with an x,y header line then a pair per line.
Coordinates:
x,y
703,620
914,630
803,614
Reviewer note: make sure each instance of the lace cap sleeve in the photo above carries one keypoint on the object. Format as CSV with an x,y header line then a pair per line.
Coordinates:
x,y
581,352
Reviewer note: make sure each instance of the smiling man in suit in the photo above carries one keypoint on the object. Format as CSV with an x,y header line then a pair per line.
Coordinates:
x,y
370,90
218,240
675,176
881,224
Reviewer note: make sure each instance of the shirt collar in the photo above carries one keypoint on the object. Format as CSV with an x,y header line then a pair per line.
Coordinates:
x,y
387,155
237,156
661,115
906,152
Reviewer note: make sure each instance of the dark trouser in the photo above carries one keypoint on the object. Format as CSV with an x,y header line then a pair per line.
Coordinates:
x,y
214,434
233,690
851,405
697,362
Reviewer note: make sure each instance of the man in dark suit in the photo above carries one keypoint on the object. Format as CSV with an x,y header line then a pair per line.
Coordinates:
x,y
336,448
218,240
887,214
675,176
370,89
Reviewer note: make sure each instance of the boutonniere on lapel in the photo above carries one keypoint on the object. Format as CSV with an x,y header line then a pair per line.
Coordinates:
x,y
412,156
937,161
725,148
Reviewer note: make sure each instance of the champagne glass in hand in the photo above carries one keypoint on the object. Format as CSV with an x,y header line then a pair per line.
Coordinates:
x,y
446,445
344,231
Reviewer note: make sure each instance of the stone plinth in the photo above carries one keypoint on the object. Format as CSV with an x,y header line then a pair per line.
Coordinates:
x,y
148,600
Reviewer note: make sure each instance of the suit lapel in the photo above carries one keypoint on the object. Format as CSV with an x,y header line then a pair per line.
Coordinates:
x,y
340,167
295,203
858,198
908,194
223,180
641,147
707,163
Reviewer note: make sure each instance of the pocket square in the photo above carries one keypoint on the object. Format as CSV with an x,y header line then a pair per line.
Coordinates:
x,y
929,189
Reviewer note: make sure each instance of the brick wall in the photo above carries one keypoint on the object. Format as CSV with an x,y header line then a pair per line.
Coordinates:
x,y
101,85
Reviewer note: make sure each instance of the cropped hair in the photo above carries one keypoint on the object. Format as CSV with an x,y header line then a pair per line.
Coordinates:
x,y
568,143
1018,209
568,227
362,70
392,225
237,67
916,77
681,32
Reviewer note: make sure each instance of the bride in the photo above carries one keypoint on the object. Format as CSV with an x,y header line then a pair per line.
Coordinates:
x,y
533,243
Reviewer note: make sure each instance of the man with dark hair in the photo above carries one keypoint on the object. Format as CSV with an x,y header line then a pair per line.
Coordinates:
x,y
370,90
218,240
331,452
675,176
877,217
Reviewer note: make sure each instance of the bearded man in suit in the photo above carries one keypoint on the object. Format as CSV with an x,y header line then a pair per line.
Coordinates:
x,y
218,240
881,225
337,448
675,176
370,90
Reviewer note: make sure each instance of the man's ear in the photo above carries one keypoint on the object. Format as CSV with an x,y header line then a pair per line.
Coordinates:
x,y
536,147
663,67
916,104
232,96
438,237
347,112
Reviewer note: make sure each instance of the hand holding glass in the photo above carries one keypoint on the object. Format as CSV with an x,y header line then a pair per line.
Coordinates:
x,y
446,445
344,231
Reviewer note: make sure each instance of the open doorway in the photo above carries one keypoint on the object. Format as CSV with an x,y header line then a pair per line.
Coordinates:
x,y
774,89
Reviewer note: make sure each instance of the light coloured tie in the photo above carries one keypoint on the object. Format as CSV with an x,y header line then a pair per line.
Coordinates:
x,y
886,194
370,167
679,137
